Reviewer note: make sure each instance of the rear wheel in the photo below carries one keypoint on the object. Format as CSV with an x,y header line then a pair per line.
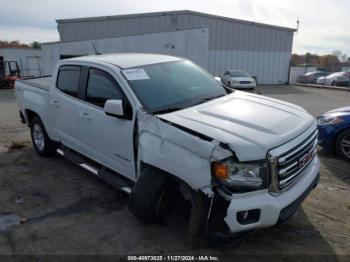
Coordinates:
x,y
342,145
43,145
4,84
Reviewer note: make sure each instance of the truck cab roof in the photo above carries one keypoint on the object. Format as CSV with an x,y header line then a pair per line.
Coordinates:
x,y
127,60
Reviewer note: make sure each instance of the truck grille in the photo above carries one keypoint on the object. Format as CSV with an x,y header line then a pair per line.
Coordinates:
x,y
288,161
244,82
292,163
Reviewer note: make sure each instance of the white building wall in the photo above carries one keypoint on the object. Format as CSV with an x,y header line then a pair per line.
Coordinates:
x,y
29,60
191,44
268,67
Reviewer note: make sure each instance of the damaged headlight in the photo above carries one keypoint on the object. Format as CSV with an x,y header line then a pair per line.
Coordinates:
x,y
241,176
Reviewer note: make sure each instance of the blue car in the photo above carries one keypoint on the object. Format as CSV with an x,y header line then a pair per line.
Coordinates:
x,y
334,131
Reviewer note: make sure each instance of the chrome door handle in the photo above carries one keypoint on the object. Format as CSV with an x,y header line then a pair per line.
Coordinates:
x,y
55,103
85,116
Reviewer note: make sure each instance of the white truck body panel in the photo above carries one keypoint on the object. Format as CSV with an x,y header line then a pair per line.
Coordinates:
x,y
242,125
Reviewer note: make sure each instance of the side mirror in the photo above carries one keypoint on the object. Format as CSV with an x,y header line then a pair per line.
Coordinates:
x,y
114,107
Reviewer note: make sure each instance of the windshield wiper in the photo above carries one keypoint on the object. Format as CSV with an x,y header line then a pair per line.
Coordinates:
x,y
203,100
167,110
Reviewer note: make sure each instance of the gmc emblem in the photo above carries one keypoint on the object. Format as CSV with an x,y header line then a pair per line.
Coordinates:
x,y
305,158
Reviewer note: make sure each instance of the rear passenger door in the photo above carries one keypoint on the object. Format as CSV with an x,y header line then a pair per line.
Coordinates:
x,y
64,106
107,139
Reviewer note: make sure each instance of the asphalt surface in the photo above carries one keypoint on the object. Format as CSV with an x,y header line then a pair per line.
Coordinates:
x,y
49,206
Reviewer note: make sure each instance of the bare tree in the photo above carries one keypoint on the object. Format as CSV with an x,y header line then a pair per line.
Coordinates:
x,y
338,54
344,58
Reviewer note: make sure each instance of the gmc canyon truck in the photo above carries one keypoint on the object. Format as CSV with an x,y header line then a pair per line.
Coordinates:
x,y
155,126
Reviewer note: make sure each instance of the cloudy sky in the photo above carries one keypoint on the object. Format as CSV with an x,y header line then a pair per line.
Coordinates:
x,y
324,25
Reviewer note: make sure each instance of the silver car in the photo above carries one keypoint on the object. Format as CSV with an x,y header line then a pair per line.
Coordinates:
x,y
238,79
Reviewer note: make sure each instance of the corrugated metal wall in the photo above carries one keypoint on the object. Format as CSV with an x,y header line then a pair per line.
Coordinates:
x,y
262,50
192,44
225,34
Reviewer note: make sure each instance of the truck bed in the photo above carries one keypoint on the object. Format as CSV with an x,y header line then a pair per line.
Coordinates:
x,y
39,82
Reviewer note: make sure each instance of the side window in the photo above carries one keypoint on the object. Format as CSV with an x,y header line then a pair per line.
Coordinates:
x,y
101,87
68,79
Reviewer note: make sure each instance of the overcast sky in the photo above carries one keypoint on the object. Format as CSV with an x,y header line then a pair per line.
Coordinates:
x,y
324,25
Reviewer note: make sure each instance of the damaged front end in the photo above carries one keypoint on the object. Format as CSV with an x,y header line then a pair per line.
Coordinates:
x,y
192,158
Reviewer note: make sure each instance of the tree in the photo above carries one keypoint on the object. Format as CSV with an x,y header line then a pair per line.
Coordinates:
x,y
344,58
35,45
15,43
341,56
337,53
329,63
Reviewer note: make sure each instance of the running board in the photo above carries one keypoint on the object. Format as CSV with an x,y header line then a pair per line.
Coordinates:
x,y
102,172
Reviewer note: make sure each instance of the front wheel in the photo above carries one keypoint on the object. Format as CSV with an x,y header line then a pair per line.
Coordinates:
x,y
43,145
342,145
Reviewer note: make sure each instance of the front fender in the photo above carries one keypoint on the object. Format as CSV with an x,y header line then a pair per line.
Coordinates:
x,y
184,155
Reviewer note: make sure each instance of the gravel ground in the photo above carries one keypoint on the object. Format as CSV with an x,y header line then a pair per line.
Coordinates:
x,y
49,206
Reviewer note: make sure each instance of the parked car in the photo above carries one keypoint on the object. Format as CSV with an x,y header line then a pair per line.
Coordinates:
x,y
238,79
344,80
310,77
153,125
331,80
334,131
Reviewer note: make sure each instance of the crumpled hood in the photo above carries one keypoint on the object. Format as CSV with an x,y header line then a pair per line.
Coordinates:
x,y
250,124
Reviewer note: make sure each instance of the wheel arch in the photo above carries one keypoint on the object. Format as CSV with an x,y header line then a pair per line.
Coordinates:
x,y
338,133
30,114
145,167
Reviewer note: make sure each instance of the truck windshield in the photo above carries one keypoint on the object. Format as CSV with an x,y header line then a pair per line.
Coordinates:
x,y
172,86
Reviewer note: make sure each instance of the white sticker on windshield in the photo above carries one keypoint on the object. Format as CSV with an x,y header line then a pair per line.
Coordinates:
x,y
135,74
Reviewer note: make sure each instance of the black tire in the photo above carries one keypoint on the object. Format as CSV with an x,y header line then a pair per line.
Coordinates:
x,y
148,199
339,145
229,84
4,85
48,148
333,83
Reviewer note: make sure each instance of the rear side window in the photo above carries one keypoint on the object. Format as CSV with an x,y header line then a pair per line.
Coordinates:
x,y
101,87
68,79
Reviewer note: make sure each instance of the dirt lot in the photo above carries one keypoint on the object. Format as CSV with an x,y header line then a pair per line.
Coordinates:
x,y
66,210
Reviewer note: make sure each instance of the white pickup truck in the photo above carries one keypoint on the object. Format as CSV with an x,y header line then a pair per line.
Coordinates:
x,y
153,125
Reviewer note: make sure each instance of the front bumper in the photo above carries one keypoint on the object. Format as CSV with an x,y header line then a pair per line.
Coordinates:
x,y
326,136
273,209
